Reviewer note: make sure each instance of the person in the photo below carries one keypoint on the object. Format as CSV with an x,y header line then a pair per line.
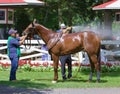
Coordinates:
x,y
65,59
44,56
17,35
13,51
62,27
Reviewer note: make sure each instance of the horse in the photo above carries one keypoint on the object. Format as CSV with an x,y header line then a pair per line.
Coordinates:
x,y
60,44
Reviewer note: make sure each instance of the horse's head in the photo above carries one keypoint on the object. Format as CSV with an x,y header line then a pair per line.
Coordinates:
x,y
30,30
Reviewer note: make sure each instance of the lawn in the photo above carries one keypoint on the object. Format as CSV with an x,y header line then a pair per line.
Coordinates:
x,y
42,80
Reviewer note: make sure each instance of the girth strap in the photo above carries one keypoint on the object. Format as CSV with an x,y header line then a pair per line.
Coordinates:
x,y
52,42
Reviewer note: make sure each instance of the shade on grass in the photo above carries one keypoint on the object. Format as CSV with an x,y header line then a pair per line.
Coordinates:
x,y
42,80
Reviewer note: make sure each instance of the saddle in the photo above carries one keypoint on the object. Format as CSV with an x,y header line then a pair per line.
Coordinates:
x,y
52,42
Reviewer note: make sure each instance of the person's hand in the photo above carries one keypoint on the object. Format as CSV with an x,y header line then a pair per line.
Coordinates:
x,y
25,36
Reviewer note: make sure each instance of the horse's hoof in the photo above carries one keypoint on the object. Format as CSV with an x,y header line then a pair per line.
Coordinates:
x,y
54,82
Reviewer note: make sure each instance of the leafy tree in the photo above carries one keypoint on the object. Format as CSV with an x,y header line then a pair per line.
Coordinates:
x,y
22,19
70,12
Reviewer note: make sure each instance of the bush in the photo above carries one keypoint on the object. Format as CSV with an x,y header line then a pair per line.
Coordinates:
x,y
27,66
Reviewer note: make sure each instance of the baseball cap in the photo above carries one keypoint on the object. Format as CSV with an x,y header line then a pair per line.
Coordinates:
x,y
62,25
12,31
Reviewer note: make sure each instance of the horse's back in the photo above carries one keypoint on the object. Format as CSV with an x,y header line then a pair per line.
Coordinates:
x,y
91,41
83,37
91,36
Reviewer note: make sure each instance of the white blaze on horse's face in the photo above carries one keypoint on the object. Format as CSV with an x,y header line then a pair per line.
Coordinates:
x,y
27,29
30,26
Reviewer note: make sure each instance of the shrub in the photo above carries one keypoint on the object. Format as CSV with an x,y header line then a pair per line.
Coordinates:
x,y
46,67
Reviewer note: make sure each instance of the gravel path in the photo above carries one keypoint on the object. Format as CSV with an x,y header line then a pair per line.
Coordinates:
x,y
13,90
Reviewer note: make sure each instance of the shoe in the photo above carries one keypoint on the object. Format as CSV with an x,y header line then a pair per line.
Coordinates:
x,y
69,76
14,80
64,78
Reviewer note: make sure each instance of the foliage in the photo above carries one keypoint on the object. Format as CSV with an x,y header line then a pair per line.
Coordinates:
x,y
70,12
22,19
27,65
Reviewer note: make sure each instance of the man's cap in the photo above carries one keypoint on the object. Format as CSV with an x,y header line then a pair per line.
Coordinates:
x,y
62,25
12,31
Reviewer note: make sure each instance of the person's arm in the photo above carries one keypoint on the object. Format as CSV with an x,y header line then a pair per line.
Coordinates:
x,y
22,39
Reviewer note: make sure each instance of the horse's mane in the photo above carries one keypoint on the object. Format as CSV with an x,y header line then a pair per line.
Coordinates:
x,y
39,25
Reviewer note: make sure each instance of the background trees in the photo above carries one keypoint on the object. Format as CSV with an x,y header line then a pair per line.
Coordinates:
x,y
55,12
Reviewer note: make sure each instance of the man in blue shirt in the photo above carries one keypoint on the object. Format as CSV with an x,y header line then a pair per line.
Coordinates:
x,y
13,45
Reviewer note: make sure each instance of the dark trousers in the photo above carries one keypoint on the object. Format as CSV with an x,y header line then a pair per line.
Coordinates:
x,y
66,59
14,66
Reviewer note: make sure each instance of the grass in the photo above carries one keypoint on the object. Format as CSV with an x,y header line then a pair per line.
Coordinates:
x,y
42,80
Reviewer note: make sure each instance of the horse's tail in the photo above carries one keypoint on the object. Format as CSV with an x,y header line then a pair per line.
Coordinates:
x,y
99,57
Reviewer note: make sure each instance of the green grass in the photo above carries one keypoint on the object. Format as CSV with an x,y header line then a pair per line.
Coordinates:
x,y
42,80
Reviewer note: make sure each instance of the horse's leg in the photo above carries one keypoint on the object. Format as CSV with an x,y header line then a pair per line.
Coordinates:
x,y
97,66
94,61
55,62
92,68
91,72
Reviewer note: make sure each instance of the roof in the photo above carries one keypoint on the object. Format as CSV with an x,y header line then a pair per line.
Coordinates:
x,y
12,3
112,4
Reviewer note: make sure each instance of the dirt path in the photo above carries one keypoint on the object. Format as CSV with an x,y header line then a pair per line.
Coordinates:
x,y
12,90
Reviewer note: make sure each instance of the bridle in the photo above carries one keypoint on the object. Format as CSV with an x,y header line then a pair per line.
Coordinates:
x,y
29,34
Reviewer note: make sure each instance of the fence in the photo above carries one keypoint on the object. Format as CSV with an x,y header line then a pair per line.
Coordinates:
x,y
35,52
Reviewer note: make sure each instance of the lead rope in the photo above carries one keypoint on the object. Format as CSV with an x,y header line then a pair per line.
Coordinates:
x,y
25,44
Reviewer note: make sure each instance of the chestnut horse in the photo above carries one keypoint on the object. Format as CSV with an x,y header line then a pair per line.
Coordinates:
x,y
61,44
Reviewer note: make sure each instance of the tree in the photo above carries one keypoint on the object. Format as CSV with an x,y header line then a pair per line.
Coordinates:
x,y
22,19
70,12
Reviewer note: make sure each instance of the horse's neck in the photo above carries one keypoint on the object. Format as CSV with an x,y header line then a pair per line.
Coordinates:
x,y
45,33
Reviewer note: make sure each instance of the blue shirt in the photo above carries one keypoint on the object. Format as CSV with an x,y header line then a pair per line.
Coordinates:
x,y
59,30
13,46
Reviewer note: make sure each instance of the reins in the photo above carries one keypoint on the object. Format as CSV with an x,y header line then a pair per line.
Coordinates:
x,y
27,39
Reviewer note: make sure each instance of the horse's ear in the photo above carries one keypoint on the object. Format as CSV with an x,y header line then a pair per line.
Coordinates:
x,y
34,21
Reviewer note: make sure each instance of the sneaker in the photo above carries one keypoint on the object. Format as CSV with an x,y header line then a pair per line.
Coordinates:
x,y
69,76
14,80
64,78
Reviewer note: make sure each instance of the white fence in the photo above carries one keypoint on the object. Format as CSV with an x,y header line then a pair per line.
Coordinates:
x,y
35,52
33,48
